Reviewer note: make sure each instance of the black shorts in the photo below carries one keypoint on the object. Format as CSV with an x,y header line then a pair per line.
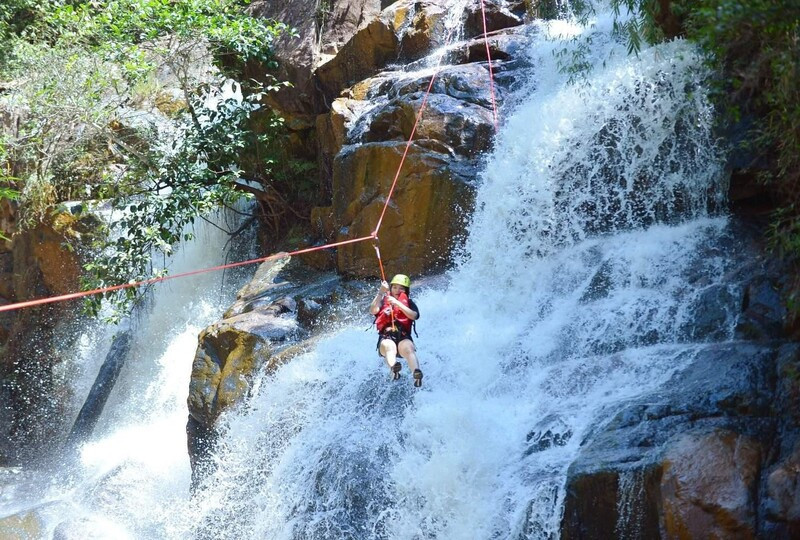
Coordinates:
x,y
397,337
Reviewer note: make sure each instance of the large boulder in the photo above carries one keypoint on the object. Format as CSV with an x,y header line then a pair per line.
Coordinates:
x,y
283,303
322,28
231,351
405,31
719,409
434,196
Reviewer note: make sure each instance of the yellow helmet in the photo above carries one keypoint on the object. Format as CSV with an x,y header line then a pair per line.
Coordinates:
x,y
401,279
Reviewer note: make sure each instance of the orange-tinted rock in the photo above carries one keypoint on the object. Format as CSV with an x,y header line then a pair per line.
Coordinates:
x,y
35,338
369,51
231,351
226,360
322,29
427,214
709,484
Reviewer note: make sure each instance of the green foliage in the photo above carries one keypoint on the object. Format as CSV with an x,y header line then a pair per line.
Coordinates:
x,y
15,17
178,182
7,184
755,44
86,73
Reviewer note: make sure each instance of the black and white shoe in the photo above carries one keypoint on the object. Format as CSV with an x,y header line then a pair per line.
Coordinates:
x,y
417,378
396,371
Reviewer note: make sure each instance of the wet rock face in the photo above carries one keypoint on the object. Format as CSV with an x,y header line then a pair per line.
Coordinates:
x,y
226,361
322,28
708,486
714,455
780,508
265,327
435,186
717,413
341,65
33,393
782,503
429,208
763,310
405,31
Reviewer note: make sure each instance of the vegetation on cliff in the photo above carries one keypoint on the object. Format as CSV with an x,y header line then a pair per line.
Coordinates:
x,y
136,103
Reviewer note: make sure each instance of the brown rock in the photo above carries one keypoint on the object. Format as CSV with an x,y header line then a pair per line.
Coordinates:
x,y
33,339
22,526
783,493
59,266
425,218
262,282
322,29
497,18
231,351
370,50
331,134
708,487
459,126
405,31
227,358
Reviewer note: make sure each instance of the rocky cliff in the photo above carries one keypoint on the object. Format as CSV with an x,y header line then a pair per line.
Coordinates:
x,y
352,102
715,455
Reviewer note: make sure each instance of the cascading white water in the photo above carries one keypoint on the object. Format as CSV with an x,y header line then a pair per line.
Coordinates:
x,y
134,468
574,294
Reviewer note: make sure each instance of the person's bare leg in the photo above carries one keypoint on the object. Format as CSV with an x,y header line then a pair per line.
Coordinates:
x,y
409,352
388,350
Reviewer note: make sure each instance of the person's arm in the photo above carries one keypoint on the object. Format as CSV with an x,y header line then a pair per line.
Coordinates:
x,y
375,305
410,313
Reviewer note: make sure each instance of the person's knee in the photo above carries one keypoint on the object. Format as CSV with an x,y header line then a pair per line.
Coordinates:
x,y
407,348
388,347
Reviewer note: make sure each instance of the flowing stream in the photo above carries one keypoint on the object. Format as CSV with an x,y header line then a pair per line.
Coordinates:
x,y
597,228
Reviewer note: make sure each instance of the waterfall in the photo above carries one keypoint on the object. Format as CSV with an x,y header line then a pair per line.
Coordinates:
x,y
134,467
575,293
597,230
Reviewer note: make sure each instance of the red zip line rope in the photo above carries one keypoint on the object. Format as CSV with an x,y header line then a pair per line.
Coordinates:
x,y
405,153
383,274
489,58
422,108
373,236
72,296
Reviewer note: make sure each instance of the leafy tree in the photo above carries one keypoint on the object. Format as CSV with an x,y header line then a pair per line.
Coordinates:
x,y
88,84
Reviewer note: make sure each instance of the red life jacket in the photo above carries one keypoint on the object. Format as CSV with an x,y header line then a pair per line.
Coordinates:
x,y
384,318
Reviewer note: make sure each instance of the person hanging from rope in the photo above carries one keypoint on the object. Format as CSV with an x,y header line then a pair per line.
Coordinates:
x,y
395,314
